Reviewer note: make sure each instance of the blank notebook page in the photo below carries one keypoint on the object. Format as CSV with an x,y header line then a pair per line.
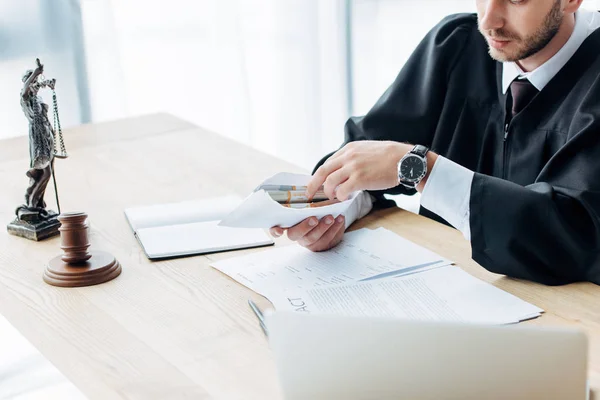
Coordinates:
x,y
197,238
212,209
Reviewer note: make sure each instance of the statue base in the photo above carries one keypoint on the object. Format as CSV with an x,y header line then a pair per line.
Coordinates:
x,y
34,224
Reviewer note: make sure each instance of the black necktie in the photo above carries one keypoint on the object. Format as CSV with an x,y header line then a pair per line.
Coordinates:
x,y
522,92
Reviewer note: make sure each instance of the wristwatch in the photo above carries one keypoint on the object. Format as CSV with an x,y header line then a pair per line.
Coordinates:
x,y
412,168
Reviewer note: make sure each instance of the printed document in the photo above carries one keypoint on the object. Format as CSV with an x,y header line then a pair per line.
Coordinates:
x,y
363,254
374,273
443,294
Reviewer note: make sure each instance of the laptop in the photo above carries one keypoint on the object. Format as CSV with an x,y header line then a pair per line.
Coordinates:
x,y
351,358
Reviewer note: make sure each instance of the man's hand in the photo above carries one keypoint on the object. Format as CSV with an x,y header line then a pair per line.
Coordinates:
x,y
362,165
315,235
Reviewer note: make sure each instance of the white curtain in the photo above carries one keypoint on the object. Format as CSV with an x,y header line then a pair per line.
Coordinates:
x,y
269,73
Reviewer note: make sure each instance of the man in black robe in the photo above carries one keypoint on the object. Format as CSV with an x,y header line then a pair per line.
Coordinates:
x,y
505,106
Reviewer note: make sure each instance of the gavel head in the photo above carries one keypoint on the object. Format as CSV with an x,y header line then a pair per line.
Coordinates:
x,y
74,237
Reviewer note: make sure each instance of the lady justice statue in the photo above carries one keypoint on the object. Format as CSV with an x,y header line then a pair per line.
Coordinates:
x,y
33,221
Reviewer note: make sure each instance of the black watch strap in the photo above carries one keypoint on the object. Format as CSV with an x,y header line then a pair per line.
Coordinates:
x,y
420,150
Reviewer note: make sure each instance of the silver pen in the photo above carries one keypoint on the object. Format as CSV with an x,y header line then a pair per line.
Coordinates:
x,y
259,315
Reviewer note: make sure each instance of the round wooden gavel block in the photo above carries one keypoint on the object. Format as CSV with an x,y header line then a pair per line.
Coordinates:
x,y
78,266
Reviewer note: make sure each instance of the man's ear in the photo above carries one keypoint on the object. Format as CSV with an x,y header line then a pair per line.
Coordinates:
x,y
570,6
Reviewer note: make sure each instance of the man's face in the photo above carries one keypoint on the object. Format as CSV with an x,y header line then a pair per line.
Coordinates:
x,y
517,29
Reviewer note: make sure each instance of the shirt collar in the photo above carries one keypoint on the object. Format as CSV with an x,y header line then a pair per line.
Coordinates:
x,y
540,76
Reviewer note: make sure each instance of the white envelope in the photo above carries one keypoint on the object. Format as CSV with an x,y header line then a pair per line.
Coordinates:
x,y
259,210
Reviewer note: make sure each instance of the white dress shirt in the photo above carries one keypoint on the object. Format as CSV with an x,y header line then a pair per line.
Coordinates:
x,y
448,189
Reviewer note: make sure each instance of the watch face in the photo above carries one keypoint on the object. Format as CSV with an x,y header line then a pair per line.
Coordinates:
x,y
412,168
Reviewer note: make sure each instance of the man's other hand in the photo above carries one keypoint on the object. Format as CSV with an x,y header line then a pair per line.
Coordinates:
x,y
313,234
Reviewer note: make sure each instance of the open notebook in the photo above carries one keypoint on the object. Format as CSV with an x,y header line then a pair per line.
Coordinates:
x,y
190,227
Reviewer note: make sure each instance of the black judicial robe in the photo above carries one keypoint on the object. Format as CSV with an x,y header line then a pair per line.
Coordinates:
x,y
535,197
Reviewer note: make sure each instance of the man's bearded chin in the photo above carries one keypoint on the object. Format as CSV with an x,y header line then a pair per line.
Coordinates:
x,y
531,44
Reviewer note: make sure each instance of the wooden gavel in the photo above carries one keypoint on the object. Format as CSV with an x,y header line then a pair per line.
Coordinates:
x,y
77,266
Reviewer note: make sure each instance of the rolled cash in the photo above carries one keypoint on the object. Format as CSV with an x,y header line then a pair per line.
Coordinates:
x,y
295,196
284,188
312,204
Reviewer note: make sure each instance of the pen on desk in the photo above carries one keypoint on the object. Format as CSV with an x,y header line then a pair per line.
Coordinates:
x,y
259,315
401,271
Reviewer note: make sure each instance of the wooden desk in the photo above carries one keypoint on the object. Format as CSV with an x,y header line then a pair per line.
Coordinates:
x,y
179,328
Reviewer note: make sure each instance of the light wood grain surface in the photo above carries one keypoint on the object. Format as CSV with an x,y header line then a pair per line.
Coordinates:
x,y
178,328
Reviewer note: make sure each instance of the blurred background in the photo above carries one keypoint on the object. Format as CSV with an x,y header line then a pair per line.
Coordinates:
x,y
279,75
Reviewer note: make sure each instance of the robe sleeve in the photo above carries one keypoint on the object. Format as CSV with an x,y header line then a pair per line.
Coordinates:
x,y
410,109
549,231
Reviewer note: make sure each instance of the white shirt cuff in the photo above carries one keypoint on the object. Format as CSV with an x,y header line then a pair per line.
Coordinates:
x,y
447,193
360,207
